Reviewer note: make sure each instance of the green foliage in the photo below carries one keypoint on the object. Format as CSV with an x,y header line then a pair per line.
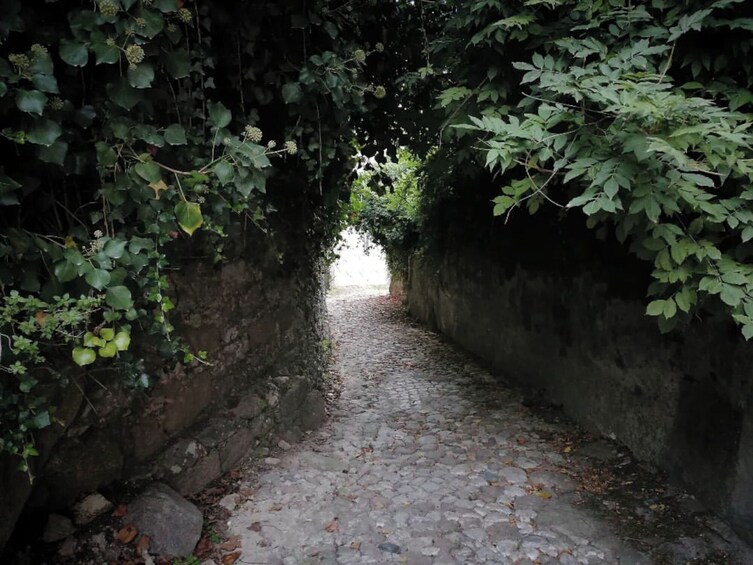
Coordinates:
x,y
385,205
134,125
635,114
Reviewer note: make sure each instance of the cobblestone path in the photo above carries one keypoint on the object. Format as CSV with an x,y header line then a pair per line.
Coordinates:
x,y
427,460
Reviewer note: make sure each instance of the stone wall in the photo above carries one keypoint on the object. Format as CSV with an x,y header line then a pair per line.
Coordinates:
x,y
260,320
563,315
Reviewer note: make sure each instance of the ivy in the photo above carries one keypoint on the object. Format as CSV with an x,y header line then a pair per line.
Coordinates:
x,y
129,126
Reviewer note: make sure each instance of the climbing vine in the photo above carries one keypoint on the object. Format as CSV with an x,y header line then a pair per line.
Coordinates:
x,y
133,126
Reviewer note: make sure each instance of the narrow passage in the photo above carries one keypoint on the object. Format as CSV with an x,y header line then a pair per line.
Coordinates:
x,y
428,460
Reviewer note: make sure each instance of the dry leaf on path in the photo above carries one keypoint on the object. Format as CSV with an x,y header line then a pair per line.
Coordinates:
x,y
120,511
231,544
127,534
355,545
255,527
333,526
143,544
231,558
204,547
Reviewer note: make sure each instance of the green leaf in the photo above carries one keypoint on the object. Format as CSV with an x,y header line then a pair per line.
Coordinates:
x,y
178,63
65,271
141,76
83,356
748,331
148,170
115,248
175,135
655,308
731,295
45,83
670,308
105,54
41,420
219,115
119,297
55,153
74,53
107,334
292,93
122,341
44,132
189,216
98,278
109,350
30,101
123,94
224,171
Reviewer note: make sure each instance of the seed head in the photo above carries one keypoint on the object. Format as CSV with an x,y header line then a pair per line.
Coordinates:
x,y
379,47
110,42
253,134
109,8
359,55
271,144
291,147
55,103
380,92
135,54
185,16
38,50
98,234
140,23
19,60
172,28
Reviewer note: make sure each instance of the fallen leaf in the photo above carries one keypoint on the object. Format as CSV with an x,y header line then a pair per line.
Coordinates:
x,y
355,545
246,492
142,544
276,508
120,511
127,534
544,494
333,526
204,547
231,544
568,449
231,558
40,317
255,527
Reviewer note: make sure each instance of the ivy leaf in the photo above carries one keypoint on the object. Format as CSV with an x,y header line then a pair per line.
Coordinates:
x,y
292,93
98,278
74,53
123,94
224,172
189,216
219,115
109,350
115,248
41,420
44,132
175,135
83,356
148,170
178,63
119,297
122,341
141,76
65,271
105,54
45,83
55,153
30,101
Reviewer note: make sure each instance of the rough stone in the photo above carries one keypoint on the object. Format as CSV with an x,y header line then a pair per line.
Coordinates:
x,y
90,508
366,483
58,528
173,524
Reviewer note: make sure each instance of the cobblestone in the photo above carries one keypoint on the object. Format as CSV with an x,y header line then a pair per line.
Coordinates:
x,y
425,460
